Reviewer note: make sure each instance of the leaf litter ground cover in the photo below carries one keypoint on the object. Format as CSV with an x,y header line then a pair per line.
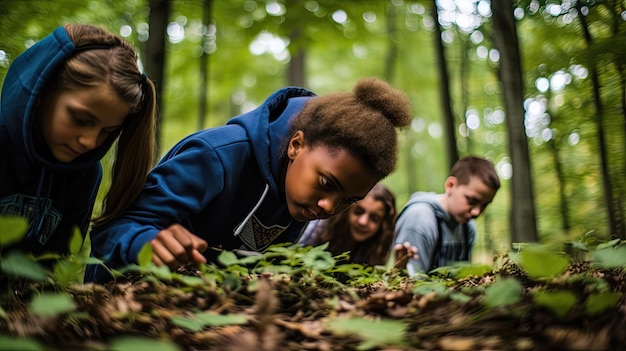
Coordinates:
x,y
293,298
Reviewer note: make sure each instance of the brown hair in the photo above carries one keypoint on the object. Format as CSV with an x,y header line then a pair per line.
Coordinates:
x,y
104,58
336,230
363,122
472,166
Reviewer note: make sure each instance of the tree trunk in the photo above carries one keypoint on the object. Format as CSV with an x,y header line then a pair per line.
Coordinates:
x,y
296,75
204,63
444,91
522,219
155,54
599,119
560,176
392,52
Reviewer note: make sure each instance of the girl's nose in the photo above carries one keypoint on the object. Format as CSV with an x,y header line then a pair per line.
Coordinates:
x,y
328,205
89,139
363,219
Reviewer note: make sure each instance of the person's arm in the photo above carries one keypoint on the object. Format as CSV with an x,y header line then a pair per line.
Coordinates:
x,y
186,182
417,225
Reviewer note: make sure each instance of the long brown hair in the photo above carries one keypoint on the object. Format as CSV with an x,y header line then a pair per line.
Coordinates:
x,y
104,58
336,230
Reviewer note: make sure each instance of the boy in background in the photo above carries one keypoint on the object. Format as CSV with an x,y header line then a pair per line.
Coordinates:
x,y
441,226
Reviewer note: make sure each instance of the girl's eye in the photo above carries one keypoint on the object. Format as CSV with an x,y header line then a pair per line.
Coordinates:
x,y
358,210
325,183
80,121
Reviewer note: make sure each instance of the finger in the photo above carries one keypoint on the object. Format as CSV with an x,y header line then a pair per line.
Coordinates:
x,y
199,244
157,261
198,257
182,236
176,239
162,255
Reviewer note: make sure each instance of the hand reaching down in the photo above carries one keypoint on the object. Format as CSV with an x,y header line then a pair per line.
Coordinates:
x,y
402,253
176,246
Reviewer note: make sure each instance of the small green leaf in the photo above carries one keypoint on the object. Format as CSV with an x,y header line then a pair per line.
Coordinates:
x,y
137,343
459,297
228,258
610,257
540,262
12,229
189,280
51,304
473,269
428,287
318,260
192,324
18,265
218,320
231,281
201,320
144,257
68,271
502,293
12,344
374,334
608,244
76,242
578,245
599,302
559,302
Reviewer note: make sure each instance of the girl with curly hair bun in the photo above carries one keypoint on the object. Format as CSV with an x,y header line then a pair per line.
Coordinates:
x,y
260,178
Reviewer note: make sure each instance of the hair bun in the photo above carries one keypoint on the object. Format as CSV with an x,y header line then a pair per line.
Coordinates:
x,y
392,103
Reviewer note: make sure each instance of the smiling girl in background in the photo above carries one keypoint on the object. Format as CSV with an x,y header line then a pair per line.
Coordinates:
x,y
65,101
366,230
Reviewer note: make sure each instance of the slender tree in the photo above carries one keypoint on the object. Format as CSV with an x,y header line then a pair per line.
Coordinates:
x,y
599,119
203,99
445,98
522,219
155,52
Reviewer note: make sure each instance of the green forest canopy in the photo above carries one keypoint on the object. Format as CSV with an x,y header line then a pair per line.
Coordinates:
x,y
250,49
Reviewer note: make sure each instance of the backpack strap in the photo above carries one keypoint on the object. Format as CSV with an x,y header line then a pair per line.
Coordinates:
x,y
434,263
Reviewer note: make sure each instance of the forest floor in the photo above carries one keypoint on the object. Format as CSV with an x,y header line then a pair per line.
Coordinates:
x,y
275,311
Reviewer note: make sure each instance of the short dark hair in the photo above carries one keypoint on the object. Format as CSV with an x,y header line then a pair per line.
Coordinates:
x,y
473,166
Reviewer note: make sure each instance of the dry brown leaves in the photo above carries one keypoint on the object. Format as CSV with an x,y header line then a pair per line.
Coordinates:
x,y
284,315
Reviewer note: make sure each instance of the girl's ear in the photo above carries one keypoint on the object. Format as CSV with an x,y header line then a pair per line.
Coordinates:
x,y
296,143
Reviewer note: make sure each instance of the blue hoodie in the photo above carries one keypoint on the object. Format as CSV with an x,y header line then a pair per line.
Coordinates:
x,y
54,196
222,184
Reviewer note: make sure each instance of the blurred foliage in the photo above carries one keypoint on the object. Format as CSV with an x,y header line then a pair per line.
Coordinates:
x,y
250,42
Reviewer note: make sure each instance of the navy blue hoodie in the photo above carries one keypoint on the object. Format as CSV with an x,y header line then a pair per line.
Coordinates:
x,y
222,184
55,197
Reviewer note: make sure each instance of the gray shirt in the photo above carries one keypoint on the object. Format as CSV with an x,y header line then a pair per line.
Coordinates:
x,y
421,221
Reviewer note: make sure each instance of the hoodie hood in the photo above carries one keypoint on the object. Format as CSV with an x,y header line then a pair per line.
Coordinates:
x,y
433,200
23,85
268,126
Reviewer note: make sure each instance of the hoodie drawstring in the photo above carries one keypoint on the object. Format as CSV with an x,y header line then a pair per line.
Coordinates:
x,y
39,214
243,223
